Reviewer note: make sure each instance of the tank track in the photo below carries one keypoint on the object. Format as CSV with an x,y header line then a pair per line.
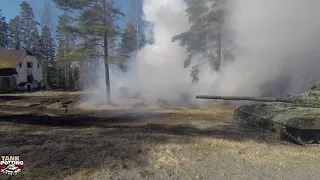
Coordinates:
x,y
280,131
297,140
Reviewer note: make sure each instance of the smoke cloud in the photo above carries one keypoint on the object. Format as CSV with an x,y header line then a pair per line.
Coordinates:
x,y
277,46
277,51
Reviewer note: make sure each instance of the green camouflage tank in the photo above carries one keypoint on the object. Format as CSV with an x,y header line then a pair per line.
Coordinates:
x,y
295,118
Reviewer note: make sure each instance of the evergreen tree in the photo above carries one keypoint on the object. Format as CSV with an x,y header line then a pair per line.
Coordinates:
x,y
76,75
4,41
204,36
35,42
135,17
143,41
14,33
27,26
129,41
47,56
66,44
96,24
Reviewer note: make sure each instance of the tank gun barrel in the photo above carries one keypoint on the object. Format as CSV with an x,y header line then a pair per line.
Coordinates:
x,y
246,98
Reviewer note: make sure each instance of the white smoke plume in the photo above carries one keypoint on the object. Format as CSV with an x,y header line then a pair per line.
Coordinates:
x,y
277,51
156,71
277,46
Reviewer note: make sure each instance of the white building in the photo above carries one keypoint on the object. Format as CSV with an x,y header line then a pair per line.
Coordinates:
x,y
19,70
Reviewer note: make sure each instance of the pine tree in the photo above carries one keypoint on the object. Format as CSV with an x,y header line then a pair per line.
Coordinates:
x,y
4,41
96,24
204,36
66,44
35,41
76,75
47,56
14,32
27,25
136,19
129,44
143,41
128,41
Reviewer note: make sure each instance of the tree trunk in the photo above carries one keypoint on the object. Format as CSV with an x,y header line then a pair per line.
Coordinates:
x,y
65,77
218,61
106,65
138,29
105,48
66,65
219,37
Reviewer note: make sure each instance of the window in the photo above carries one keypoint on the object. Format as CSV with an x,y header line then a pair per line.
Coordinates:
x,y
29,64
38,65
20,65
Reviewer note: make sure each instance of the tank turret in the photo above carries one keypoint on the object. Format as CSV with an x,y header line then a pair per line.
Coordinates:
x,y
315,85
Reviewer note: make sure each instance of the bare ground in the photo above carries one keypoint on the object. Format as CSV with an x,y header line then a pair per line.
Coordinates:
x,y
141,143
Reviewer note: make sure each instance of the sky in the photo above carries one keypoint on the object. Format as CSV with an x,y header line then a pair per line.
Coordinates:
x,y
11,8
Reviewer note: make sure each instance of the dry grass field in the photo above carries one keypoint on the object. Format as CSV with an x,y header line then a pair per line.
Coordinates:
x,y
87,142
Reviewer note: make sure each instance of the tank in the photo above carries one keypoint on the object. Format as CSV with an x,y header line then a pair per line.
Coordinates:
x,y
295,118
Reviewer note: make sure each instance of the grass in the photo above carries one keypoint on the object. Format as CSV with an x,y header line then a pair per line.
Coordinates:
x,y
95,153
185,143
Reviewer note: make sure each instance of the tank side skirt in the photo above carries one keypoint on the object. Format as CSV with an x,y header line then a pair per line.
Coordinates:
x,y
280,129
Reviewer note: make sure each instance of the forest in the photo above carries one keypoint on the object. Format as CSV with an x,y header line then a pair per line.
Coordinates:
x,y
86,36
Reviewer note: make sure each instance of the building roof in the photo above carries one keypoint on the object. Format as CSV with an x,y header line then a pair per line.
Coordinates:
x,y
10,58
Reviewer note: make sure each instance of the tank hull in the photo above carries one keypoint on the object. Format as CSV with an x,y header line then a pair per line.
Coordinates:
x,y
292,117
298,124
